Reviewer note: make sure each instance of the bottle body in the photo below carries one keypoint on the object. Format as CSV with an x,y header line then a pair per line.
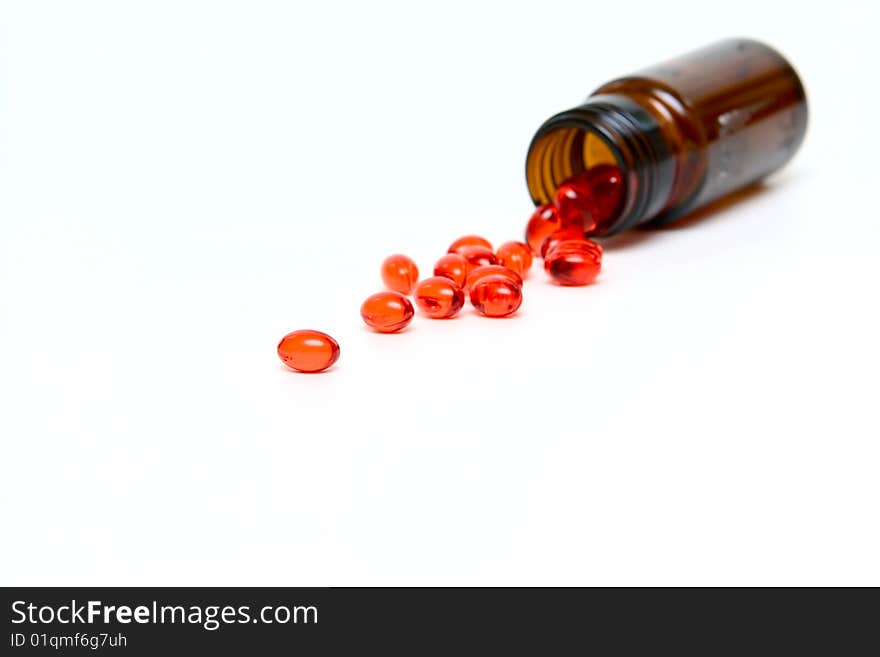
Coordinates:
x,y
684,133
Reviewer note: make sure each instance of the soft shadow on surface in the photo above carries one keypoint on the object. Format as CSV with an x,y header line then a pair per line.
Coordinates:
x,y
715,211
514,315
290,370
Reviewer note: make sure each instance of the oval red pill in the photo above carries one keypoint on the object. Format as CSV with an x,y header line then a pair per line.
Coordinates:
x,y
387,312
308,351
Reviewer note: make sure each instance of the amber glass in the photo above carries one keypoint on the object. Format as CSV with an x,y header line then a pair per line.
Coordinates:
x,y
684,133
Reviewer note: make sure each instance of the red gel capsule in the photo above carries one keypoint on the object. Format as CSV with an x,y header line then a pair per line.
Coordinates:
x,y
387,312
399,273
606,183
438,297
454,267
479,273
575,262
496,296
468,240
543,222
566,234
477,256
574,199
308,351
516,256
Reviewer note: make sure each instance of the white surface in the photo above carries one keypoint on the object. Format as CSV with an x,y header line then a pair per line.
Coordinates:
x,y
183,183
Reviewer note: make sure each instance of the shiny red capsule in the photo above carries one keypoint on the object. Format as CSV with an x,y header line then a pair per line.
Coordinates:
x,y
477,255
479,273
438,297
469,240
574,262
543,222
308,351
606,181
387,312
574,200
496,296
516,256
453,267
399,273
566,234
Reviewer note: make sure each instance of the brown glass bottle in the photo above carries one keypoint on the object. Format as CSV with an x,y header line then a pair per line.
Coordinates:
x,y
684,133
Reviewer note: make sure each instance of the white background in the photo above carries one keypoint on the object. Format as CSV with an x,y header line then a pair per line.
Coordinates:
x,y
182,183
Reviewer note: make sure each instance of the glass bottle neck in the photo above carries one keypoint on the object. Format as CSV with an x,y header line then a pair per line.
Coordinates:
x,y
618,128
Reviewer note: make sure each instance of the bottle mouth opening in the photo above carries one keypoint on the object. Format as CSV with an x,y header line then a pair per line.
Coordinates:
x,y
620,131
568,148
